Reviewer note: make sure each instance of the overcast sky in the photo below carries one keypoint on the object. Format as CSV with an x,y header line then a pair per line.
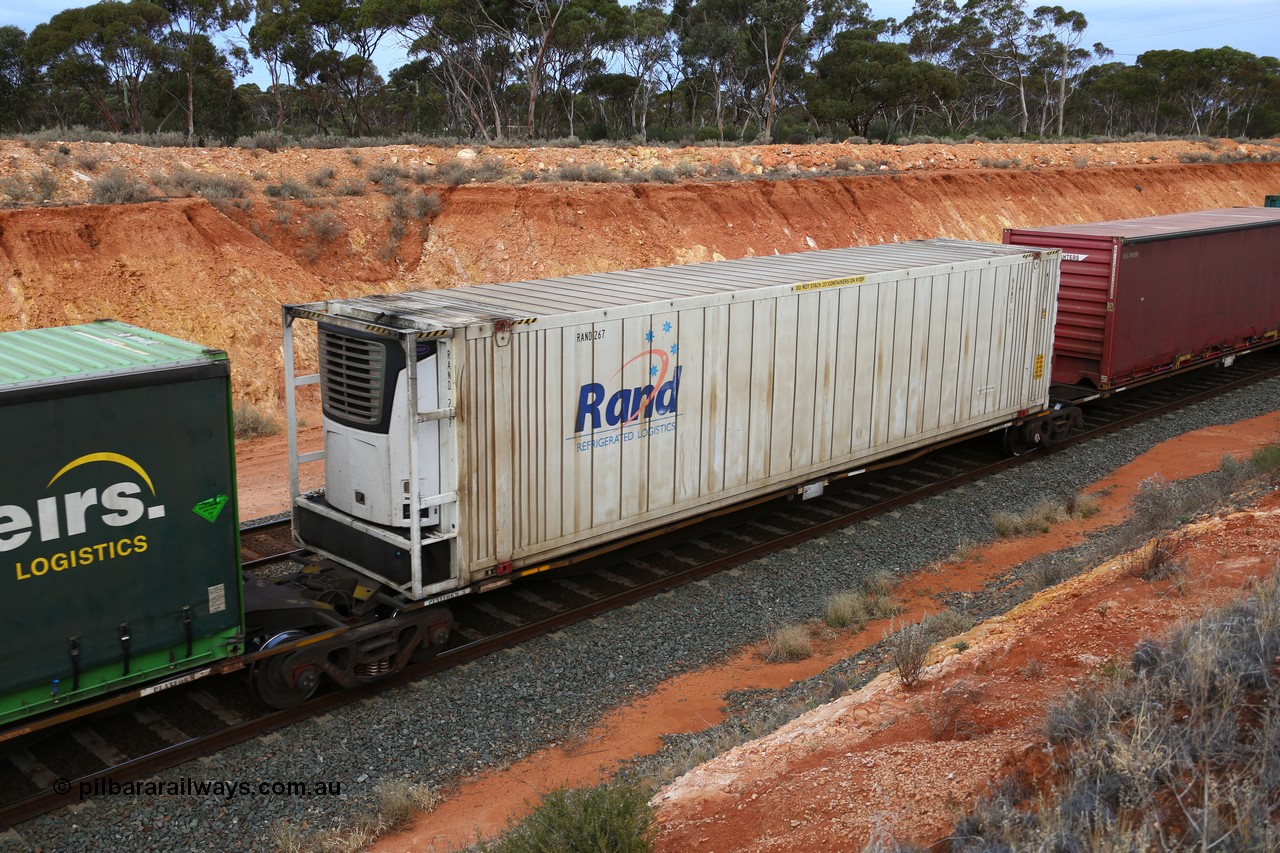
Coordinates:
x,y
1129,27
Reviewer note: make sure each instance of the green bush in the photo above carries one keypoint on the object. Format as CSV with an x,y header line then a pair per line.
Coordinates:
x,y
613,818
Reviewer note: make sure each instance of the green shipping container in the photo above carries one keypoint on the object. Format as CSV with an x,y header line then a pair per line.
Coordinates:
x,y
119,547
1272,201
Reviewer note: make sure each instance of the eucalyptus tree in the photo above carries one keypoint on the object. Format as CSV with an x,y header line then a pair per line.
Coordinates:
x,y
712,50
269,39
935,32
647,52
862,79
330,51
472,59
1211,87
101,48
587,36
189,46
17,88
1059,44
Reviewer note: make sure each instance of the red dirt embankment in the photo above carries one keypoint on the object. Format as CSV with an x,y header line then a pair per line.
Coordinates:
x,y
185,268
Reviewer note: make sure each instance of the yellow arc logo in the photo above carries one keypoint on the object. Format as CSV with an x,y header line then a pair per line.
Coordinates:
x,y
118,458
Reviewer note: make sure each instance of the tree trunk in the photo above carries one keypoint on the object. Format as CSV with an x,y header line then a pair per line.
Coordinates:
x,y
191,112
1062,91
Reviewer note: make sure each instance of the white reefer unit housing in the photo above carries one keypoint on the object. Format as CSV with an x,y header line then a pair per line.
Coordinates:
x,y
479,433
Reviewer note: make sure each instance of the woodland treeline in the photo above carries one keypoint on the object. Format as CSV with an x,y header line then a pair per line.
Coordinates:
x,y
657,70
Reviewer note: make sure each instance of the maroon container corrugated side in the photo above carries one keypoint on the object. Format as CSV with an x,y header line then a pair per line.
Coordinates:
x,y
1141,298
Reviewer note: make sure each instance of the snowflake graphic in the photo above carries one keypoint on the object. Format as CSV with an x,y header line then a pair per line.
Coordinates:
x,y
666,327
648,336
653,370
675,348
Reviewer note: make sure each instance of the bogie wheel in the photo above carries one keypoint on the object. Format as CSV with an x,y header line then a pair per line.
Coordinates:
x,y
271,679
1023,438
437,637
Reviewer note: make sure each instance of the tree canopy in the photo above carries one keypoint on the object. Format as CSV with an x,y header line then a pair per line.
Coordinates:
x,y
765,70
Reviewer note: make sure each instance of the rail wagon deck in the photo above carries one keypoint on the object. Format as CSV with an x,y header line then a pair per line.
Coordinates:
x,y
479,433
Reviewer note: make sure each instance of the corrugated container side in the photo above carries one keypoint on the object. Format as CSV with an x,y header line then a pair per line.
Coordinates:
x,y
1080,337
618,424
1136,308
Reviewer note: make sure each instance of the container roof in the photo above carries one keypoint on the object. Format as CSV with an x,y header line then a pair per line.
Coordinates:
x,y
483,303
1173,224
104,348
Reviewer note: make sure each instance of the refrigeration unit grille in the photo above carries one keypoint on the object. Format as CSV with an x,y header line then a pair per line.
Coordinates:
x,y
352,374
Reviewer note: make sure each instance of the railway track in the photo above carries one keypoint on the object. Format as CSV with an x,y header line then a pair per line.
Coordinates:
x,y
138,740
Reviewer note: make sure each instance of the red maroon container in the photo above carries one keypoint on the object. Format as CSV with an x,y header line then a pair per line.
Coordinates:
x,y
1142,298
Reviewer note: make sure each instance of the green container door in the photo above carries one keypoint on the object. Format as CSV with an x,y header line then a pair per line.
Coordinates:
x,y
119,552
1272,201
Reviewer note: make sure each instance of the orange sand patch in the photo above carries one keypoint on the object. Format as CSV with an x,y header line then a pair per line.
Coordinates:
x,y
694,701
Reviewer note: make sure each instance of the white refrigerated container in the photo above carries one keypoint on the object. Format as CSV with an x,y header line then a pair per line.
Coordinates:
x,y
559,416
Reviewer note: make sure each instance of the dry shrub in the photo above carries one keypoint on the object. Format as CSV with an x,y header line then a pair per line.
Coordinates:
x,y
251,422
489,169
948,711
45,185
187,182
1160,559
1176,753
385,176
599,173
117,187
1266,459
88,160
417,205
1047,573
287,189
946,624
324,226
845,610
322,178
1038,519
787,644
452,173
615,817
965,550
571,172
908,648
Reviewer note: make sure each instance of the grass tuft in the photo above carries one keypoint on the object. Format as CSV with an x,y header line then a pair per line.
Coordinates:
x,y
789,644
